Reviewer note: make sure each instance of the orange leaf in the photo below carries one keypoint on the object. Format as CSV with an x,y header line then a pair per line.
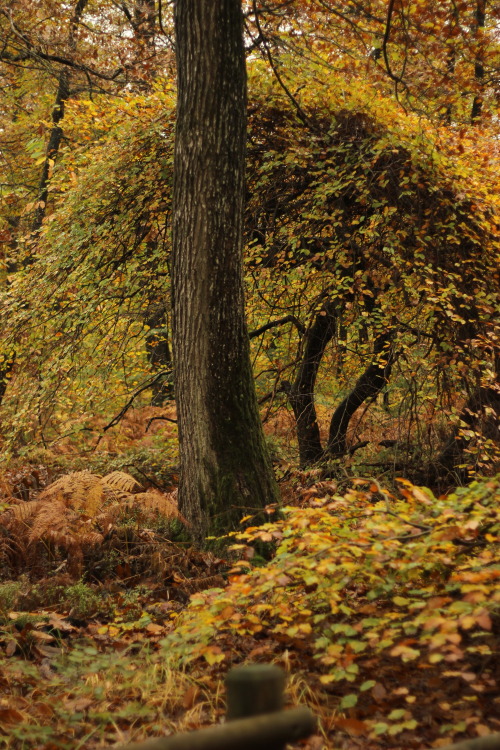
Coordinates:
x,y
10,716
352,726
484,620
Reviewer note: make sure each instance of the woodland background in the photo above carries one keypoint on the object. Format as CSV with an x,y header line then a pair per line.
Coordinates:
x,y
372,300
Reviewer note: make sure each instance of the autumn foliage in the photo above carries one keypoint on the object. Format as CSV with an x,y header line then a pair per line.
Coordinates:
x,y
372,300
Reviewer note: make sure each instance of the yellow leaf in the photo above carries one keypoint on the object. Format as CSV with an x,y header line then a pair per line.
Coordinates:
x,y
213,655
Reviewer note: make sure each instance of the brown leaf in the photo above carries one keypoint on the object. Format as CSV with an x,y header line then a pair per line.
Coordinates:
x,y
60,623
154,628
40,635
482,730
259,650
484,620
315,742
49,652
42,710
378,692
352,726
9,716
190,696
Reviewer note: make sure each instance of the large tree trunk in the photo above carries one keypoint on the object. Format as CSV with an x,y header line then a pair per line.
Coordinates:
x,y
225,468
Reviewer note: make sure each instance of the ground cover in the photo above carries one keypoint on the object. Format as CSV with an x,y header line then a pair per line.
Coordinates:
x,y
382,605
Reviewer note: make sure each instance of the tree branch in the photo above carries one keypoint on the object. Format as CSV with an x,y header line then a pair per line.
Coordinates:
x,y
274,323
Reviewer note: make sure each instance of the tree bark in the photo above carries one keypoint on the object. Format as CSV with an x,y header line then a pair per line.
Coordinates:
x,y
225,467
481,414
368,385
158,352
477,104
301,393
56,132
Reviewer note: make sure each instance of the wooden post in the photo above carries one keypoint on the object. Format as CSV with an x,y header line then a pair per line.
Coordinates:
x,y
490,742
254,689
267,732
256,720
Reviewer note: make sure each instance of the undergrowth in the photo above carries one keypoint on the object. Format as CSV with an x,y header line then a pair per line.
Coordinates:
x,y
382,606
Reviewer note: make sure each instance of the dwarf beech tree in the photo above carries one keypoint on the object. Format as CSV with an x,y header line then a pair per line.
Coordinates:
x,y
225,468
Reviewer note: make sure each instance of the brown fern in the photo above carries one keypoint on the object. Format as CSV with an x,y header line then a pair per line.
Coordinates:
x,y
79,490
156,502
120,480
76,513
20,512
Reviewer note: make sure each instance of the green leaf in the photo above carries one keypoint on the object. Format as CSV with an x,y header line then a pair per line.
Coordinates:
x,y
367,685
348,701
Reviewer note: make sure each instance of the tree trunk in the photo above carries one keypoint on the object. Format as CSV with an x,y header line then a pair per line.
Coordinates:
x,y
158,351
480,414
301,393
368,385
477,104
56,132
53,145
225,468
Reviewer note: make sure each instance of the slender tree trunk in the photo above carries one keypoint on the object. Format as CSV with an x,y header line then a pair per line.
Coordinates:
x,y
481,414
145,21
56,132
225,468
53,145
301,393
368,385
159,356
477,104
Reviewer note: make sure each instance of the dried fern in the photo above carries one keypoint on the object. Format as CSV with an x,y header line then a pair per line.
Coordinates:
x,y
79,490
76,513
120,480
155,502
21,512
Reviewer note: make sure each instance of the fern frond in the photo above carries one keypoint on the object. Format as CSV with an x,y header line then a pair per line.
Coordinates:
x,y
62,538
120,480
79,490
154,501
51,517
21,512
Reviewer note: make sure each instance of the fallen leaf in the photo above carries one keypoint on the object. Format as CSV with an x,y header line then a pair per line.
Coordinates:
x,y
9,716
352,726
379,692
190,696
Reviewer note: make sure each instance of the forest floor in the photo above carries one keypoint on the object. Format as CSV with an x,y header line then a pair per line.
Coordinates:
x,y
86,660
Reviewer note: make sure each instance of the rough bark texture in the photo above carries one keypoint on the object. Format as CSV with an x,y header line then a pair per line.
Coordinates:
x,y
225,468
301,393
